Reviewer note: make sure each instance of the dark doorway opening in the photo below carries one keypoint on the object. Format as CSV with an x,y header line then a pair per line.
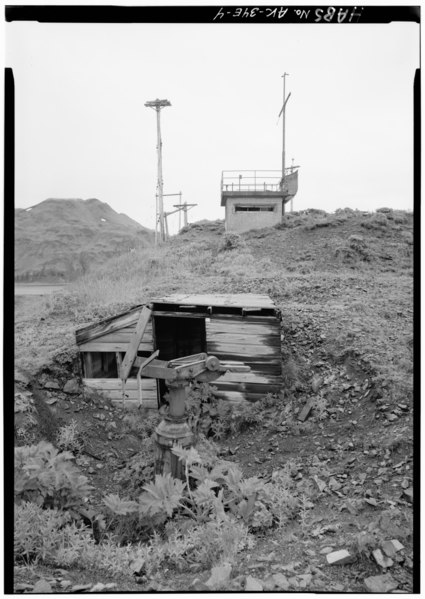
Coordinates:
x,y
178,337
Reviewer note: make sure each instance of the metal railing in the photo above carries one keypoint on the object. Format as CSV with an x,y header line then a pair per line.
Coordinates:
x,y
252,180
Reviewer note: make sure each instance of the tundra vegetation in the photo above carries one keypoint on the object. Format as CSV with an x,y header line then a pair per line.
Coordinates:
x,y
310,489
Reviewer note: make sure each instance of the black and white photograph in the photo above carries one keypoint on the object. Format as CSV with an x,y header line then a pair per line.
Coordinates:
x,y
213,213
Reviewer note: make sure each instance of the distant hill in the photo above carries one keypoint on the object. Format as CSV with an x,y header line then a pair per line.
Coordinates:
x,y
60,239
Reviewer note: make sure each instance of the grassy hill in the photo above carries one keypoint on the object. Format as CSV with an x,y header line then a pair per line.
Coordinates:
x,y
62,239
344,477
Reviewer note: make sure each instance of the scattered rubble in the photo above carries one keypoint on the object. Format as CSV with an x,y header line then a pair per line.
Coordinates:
x,y
380,584
339,557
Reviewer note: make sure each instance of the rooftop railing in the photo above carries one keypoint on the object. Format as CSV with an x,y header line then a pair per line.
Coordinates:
x,y
253,180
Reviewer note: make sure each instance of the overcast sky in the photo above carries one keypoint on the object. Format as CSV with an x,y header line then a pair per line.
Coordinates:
x,y
82,129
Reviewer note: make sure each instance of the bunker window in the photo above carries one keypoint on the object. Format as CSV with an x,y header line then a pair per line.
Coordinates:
x,y
251,208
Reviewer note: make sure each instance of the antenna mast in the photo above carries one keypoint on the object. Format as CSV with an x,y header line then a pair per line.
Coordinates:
x,y
282,112
158,105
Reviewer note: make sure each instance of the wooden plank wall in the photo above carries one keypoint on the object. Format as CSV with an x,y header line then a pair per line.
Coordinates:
x,y
253,340
118,341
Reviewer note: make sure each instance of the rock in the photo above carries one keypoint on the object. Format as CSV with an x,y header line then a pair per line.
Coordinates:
x,y
381,560
391,417
333,484
304,580
42,586
281,581
371,501
268,584
22,587
326,550
219,576
51,385
236,584
138,566
388,548
306,410
64,584
253,584
380,584
72,386
79,588
339,557
316,383
51,400
409,494
21,377
397,545
320,483
99,587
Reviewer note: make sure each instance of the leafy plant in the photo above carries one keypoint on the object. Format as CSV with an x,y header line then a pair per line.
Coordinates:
x,y
138,471
48,477
207,414
47,535
161,496
68,438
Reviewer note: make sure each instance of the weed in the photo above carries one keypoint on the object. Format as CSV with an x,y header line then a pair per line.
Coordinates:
x,y
320,408
68,438
48,478
138,470
47,535
232,241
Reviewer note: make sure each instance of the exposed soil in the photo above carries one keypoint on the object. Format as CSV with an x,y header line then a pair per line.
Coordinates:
x,y
347,352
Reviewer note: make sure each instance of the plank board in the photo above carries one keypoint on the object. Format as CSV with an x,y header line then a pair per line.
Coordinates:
x,y
250,351
133,404
244,387
135,342
249,377
242,339
116,384
130,394
234,327
234,300
122,336
100,346
108,325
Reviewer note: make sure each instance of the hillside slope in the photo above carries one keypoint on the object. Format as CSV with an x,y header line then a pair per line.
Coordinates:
x,y
61,239
340,433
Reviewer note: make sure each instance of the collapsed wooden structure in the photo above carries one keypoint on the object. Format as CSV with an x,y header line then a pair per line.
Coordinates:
x,y
234,327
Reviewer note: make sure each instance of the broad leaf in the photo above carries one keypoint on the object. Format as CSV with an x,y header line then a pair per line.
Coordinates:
x,y
120,506
163,495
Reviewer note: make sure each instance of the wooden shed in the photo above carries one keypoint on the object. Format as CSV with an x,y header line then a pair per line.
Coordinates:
x,y
233,327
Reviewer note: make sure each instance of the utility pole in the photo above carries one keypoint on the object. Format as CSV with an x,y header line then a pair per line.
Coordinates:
x,y
282,112
158,105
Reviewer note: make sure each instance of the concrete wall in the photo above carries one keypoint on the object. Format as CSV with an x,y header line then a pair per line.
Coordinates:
x,y
244,221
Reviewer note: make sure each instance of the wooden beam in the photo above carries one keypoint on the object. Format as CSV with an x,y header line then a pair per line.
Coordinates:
x,y
250,351
134,404
108,325
121,346
115,384
135,342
